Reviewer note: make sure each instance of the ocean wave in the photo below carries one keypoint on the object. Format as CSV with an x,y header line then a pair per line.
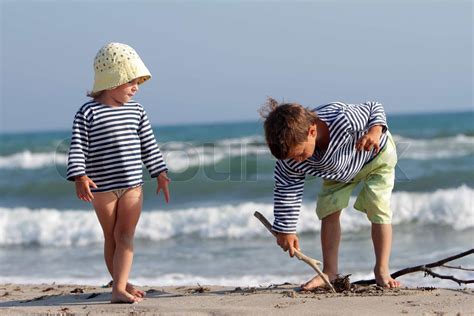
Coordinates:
x,y
180,156
169,279
246,280
52,227
28,160
257,280
435,148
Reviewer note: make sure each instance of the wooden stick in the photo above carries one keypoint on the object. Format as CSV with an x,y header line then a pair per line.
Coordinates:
x,y
313,263
457,268
427,269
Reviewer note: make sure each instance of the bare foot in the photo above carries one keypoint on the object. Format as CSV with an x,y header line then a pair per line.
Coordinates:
x,y
316,282
124,297
385,280
134,291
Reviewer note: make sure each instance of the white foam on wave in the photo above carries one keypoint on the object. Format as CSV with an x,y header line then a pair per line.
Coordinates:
x,y
181,160
451,207
169,279
182,155
48,227
29,160
182,279
435,148
52,227
179,156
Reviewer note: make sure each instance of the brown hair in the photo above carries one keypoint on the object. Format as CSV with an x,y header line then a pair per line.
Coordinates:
x,y
286,125
94,95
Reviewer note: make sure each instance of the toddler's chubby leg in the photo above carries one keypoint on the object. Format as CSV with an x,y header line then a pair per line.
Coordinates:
x,y
128,212
330,240
105,205
382,239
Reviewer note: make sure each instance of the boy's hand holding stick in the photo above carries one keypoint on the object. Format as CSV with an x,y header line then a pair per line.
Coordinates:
x,y
301,256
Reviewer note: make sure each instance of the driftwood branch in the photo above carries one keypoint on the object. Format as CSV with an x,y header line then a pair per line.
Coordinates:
x,y
457,268
426,268
301,256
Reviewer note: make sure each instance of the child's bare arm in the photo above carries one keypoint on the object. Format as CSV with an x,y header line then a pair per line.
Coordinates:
x,y
83,191
371,140
288,242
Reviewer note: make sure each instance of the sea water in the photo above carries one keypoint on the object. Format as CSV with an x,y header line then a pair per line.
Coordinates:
x,y
221,174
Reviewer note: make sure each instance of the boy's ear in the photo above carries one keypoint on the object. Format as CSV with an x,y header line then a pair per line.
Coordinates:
x,y
312,130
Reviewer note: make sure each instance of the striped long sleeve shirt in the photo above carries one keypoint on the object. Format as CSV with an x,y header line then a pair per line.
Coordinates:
x,y
340,162
109,145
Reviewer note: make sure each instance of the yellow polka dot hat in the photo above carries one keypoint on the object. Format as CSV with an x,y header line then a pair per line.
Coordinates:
x,y
116,64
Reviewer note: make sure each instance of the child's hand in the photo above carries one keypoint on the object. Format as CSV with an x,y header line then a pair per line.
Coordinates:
x,y
370,140
83,190
288,242
163,182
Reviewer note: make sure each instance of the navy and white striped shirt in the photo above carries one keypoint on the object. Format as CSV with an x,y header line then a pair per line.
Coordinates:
x,y
340,162
109,145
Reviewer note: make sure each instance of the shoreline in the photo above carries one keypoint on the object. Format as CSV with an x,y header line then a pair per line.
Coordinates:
x,y
284,299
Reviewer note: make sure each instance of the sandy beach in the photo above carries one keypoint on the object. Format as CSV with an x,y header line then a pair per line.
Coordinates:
x,y
55,299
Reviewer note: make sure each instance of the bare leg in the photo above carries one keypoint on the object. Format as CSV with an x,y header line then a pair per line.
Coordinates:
x,y
128,212
382,239
330,239
105,205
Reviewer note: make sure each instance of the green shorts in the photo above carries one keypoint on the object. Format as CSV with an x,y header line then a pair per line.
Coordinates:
x,y
377,176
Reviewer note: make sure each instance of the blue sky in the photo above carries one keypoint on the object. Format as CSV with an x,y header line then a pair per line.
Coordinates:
x,y
216,61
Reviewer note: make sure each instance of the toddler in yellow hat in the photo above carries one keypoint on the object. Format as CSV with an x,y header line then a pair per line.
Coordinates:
x,y
111,138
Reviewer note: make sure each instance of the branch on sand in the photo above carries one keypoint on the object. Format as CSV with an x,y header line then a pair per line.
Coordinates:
x,y
426,268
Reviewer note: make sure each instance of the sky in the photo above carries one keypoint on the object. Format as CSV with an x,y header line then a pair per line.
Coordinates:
x,y
217,61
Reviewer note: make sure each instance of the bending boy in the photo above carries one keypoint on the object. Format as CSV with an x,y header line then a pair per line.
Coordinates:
x,y
345,144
